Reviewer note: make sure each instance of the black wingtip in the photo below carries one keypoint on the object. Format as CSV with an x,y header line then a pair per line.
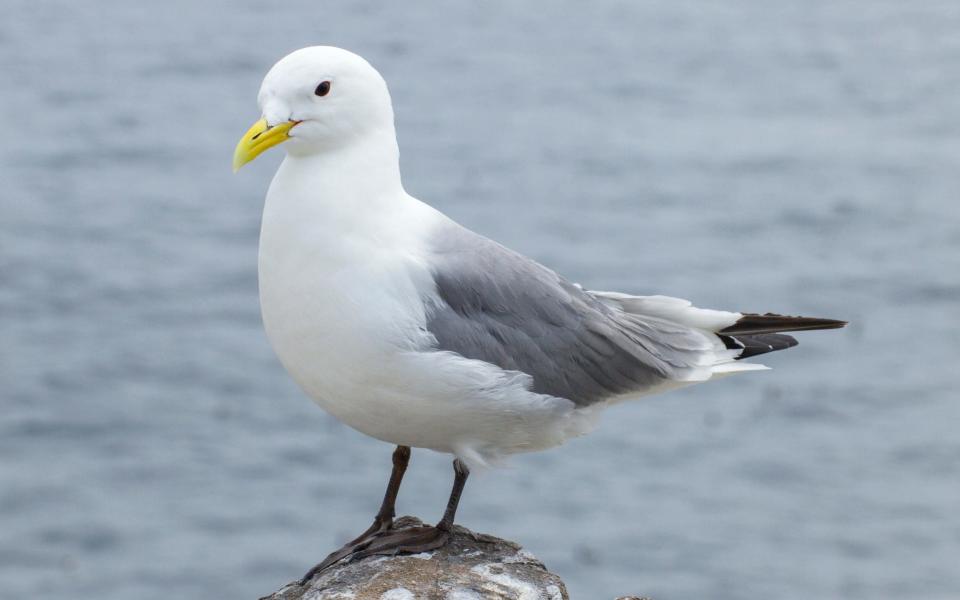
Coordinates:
x,y
752,345
752,324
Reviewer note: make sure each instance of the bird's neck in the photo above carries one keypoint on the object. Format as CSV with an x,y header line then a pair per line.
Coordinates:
x,y
351,193
367,167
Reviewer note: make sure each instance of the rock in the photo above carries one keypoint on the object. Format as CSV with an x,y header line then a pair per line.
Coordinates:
x,y
471,567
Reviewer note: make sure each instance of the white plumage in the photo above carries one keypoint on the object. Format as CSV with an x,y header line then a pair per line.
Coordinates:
x,y
346,285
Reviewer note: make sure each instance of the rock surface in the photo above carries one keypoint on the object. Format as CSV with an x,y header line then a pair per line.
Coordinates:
x,y
471,567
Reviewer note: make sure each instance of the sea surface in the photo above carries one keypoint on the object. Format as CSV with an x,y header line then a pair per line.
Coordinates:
x,y
799,156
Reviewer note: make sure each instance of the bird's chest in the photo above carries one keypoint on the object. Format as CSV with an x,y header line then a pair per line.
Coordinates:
x,y
336,303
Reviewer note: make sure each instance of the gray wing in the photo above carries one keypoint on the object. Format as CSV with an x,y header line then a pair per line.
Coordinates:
x,y
501,307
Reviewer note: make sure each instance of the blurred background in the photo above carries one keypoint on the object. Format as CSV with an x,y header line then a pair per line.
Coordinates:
x,y
800,156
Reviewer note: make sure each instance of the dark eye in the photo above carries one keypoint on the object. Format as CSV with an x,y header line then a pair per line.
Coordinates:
x,y
323,89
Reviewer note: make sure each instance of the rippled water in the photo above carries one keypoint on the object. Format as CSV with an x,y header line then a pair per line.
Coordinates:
x,y
802,157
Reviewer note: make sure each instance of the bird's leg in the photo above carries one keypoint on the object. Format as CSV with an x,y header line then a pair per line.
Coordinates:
x,y
461,472
384,519
427,537
381,523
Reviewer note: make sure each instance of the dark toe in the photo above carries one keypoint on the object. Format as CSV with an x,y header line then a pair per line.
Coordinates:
x,y
406,541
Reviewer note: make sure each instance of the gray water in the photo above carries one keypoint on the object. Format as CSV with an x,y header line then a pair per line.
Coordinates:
x,y
799,156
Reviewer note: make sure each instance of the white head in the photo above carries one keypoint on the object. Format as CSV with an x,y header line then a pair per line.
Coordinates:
x,y
316,99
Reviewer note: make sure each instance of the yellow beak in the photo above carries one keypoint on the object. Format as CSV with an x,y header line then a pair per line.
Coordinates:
x,y
259,138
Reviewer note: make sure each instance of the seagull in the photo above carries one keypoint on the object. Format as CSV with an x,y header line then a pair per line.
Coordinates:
x,y
416,331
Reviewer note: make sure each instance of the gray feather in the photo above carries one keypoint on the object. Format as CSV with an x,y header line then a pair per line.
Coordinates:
x,y
503,308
